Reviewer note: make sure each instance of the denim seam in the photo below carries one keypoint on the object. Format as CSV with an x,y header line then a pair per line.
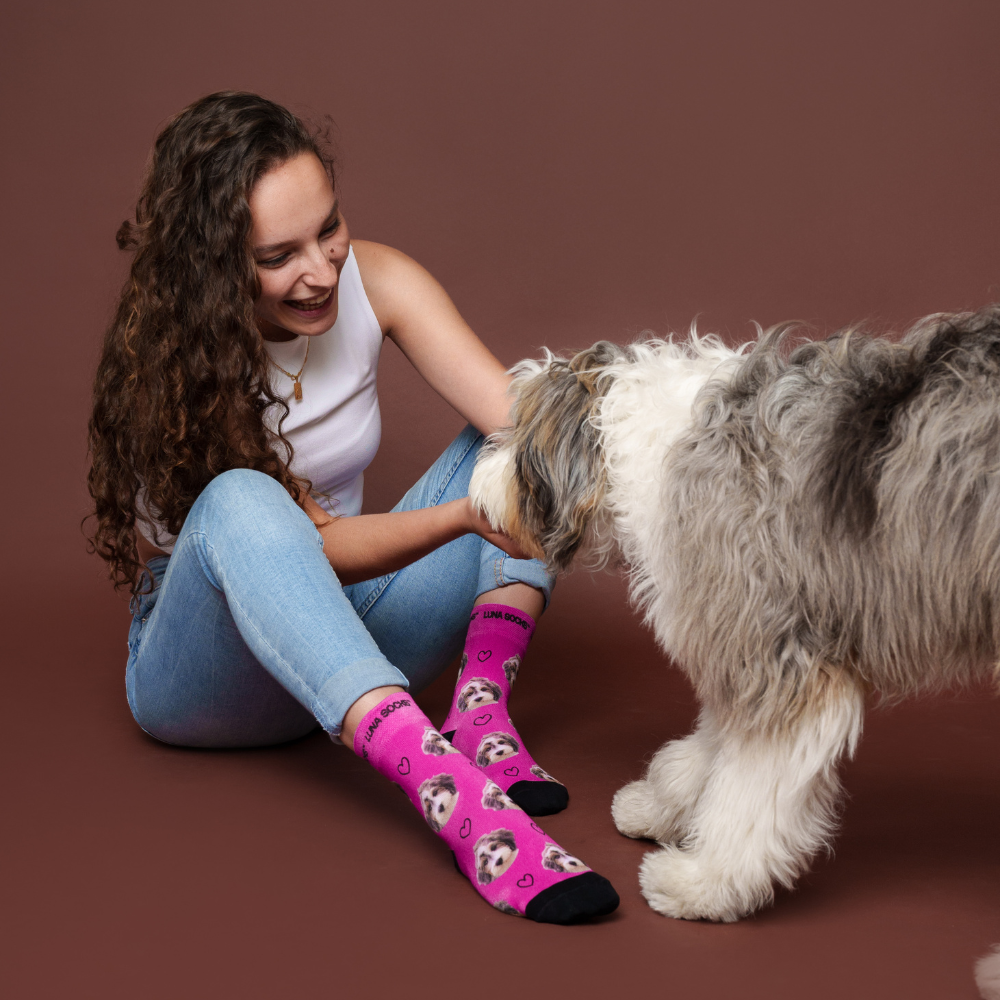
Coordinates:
x,y
379,591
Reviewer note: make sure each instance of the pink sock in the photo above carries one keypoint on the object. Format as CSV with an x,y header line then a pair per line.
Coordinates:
x,y
479,724
513,865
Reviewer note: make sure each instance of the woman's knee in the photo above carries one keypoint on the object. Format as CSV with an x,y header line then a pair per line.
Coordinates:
x,y
239,493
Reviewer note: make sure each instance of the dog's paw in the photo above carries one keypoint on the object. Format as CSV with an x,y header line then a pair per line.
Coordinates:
x,y
632,809
677,883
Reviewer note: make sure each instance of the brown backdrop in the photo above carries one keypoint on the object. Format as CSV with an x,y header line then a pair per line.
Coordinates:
x,y
570,171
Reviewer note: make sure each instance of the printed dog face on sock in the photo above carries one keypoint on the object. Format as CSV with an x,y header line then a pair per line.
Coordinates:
x,y
504,907
478,692
439,796
494,797
434,743
510,669
540,772
462,665
496,746
495,853
556,859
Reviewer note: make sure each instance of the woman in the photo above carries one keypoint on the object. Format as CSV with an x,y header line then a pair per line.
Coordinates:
x,y
235,411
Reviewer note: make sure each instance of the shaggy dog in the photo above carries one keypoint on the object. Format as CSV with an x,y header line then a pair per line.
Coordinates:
x,y
478,692
801,529
434,743
556,859
494,797
439,796
496,746
495,853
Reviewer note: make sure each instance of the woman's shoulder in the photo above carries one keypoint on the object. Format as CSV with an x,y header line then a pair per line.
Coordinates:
x,y
377,262
391,279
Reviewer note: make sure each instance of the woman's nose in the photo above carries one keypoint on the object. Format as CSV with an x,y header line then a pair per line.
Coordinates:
x,y
319,269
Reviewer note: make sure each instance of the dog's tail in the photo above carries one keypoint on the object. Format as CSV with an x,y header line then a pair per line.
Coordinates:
x,y
988,975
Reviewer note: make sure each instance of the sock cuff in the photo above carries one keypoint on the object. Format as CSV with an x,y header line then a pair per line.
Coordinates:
x,y
391,713
486,617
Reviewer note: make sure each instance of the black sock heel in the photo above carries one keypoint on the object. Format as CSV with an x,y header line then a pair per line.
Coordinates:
x,y
539,798
577,899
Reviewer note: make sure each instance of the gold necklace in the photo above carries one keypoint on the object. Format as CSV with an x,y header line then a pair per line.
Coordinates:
x,y
295,378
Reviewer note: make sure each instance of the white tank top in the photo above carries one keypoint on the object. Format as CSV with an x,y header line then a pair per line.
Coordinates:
x,y
336,427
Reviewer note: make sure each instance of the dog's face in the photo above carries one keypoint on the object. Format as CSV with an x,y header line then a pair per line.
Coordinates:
x,y
510,669
496,746
556,859
439,797
462,665
476,692
543,481
495,853
434,743
494,797
539,772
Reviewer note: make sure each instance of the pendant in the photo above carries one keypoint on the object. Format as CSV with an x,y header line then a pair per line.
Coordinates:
x,y
298,391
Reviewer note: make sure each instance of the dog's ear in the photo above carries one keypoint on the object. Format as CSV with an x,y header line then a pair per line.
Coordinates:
x,y
558,465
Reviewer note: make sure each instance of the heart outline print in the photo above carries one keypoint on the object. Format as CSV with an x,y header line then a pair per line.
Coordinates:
x,y
481,720
404,765
526,880
466,829
511,771
484,654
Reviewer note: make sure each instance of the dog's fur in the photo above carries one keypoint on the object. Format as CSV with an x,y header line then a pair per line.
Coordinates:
x,y
495,853
800,529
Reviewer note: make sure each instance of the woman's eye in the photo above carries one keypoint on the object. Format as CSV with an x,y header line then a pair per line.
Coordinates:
x,y
330,229
273,261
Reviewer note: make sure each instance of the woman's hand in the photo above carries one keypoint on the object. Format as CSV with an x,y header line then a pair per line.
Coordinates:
x,y
369,545
479,525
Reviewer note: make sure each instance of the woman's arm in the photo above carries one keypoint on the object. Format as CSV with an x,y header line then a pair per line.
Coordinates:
x,y
370,545
417,314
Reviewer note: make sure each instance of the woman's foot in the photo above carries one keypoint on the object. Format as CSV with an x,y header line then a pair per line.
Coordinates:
x,y
478,722
509,860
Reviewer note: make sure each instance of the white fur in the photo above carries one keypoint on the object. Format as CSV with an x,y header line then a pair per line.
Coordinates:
x,y
988,975
646,409
749,811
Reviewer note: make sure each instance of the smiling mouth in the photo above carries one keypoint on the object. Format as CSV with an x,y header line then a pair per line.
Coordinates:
x,y
310,306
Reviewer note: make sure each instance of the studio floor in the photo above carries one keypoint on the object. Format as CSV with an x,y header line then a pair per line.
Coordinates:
x,y
135,869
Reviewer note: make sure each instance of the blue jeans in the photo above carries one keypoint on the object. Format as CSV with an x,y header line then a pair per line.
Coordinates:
x,y
249,639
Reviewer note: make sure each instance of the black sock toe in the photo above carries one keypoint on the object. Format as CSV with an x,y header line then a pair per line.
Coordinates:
x,y
578,898
539,798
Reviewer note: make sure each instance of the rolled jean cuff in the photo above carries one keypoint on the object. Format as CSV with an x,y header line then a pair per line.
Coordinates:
x,y
500,569
342,690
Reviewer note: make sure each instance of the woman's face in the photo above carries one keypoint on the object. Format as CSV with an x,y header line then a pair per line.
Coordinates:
x,y
300,242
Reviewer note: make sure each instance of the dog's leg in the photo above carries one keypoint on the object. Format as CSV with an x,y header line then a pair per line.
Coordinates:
x,y
660,805
767,806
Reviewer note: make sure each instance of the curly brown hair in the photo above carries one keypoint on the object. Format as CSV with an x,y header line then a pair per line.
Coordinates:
x,y
183,383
